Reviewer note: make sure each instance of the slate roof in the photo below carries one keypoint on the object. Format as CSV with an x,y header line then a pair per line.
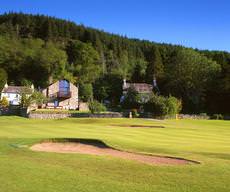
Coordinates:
x,y
17,89
139,87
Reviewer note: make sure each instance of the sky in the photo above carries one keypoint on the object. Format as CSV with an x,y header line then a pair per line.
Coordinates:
x,y
202,24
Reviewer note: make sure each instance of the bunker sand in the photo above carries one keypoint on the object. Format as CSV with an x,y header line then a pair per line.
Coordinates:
x,y
96,149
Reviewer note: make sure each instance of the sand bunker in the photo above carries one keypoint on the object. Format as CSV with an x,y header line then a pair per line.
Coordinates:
x,y
139,126
97,148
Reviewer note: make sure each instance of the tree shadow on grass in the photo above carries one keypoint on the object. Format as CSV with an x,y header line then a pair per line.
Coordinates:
x,y
93,142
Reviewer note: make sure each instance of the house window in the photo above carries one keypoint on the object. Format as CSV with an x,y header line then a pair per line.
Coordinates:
x,y
56,103
64,87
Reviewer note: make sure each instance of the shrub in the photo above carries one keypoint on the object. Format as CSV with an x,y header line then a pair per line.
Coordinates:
x,y
26,100
217,116
157,105
4,102
131,99
135,113
86,92
96,107
174,105
36,98
162,106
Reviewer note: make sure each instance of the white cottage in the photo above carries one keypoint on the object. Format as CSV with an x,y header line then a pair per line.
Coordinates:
x,y
13,93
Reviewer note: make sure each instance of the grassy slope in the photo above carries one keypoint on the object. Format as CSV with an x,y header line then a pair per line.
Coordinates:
x,y
204,141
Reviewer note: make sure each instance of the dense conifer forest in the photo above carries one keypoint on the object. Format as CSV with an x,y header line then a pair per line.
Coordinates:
x,y
40,49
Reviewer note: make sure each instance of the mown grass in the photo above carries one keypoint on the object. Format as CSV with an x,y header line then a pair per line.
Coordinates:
x,y
206,141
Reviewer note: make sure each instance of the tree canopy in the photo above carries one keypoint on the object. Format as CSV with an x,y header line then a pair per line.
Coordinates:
x,y
39,49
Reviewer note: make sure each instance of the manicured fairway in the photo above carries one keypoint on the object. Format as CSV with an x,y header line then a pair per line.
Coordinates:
x,y
22,170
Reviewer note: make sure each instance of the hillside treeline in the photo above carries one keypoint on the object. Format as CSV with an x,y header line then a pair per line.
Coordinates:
x,y
39,49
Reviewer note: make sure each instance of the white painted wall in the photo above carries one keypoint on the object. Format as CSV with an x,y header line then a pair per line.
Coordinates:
x,y
13,98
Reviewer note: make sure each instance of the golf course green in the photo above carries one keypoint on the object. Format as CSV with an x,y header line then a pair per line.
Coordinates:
x,y
204,141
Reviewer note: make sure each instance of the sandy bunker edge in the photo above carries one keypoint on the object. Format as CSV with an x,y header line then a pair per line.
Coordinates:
x,y
97,147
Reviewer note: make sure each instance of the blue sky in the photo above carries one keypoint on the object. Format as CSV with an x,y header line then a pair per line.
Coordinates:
x,y
203,24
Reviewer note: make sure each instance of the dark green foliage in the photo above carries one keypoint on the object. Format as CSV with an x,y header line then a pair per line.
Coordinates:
x,y
157,105
41,49
162,106
131,99
134,113
86,92
174,106
155,65
188,77
108,87
32,60
96,107
84,61
3,78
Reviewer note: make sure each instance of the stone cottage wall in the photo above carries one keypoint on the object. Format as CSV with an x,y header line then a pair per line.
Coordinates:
x,y
70,103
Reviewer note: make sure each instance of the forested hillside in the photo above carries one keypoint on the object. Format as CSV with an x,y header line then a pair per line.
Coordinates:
x,y
40,49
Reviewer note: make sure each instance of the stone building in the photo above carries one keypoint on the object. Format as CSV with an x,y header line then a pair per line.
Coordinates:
x,y
139,87
62,94
143,89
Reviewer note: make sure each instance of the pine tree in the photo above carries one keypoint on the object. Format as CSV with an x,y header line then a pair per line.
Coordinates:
x,y
155,66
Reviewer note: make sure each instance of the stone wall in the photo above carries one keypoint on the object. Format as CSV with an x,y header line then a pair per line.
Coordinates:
x,y
83,106
34,115
72,102
11,110
193,116
48,115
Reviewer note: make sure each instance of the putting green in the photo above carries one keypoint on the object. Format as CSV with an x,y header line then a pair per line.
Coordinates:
x,y
201,140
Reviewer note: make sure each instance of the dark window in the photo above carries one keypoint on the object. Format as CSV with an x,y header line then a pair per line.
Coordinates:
x,y
56,103
64,87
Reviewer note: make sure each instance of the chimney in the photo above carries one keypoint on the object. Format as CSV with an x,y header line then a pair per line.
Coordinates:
x,y
32,87
124,83
155,87
6,85
154,81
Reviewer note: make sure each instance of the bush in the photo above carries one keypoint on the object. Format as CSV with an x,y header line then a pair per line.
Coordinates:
x,y
162,106
174,105
217,116
96,107
4,102
131,99
157,105
134,113
86,92
26,100
36,98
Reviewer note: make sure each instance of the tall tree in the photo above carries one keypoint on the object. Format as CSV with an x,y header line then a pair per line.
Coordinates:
x,y
85,60
155,65
188,76
3,78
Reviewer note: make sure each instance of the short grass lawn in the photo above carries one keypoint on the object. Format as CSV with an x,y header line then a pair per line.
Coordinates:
x,y
206,141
